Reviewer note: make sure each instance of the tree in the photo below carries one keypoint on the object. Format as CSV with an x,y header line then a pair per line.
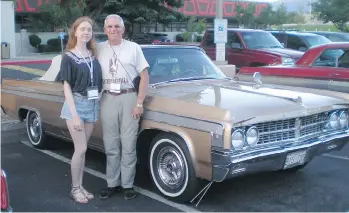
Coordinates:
x,y
132,11
266,17
281,15
335,11
59,16
245,15
135,11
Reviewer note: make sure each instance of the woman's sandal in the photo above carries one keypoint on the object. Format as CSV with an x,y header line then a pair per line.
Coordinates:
x,y
86,193
78,195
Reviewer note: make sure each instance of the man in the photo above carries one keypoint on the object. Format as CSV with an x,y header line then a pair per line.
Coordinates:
x,y
121,106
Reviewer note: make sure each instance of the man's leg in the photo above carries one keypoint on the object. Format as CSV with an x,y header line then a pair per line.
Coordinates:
x,y
128,134
111,139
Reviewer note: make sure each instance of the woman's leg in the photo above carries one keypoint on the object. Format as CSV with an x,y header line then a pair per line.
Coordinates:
x,y
80,147
88,131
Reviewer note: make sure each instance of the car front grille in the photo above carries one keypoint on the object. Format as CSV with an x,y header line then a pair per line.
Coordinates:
x,y
290,129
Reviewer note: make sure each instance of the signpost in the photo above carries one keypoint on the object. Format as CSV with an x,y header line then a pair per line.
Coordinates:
x,y
61,36
220,32
220,37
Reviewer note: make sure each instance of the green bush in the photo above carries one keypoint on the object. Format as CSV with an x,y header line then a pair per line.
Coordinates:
x,y
34,40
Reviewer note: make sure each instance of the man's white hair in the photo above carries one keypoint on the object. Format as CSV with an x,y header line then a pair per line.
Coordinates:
x,y
114,16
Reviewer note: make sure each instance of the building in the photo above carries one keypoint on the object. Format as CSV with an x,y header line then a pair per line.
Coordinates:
x,y
198,8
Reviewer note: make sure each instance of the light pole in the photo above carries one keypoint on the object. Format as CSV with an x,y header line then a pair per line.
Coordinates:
x,y
220,33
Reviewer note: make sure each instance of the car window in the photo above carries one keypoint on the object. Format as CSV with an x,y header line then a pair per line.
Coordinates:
x,y
280,37
335,38
173,63
233,40
316,40
296,43
329,58
259,39
209,39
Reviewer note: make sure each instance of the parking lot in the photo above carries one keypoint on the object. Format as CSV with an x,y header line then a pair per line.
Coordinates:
x,y
39,180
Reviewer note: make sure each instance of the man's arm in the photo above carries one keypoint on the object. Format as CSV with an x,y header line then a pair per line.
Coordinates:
x,y
143,86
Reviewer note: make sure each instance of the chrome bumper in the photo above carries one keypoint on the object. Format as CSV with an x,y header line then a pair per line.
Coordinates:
x,y
228,165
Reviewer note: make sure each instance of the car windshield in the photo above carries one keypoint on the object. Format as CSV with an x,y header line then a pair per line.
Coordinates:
x,y
255,40
171,64
316,40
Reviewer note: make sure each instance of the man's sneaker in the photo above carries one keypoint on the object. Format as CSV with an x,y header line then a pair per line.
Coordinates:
x,y
108,192
129,193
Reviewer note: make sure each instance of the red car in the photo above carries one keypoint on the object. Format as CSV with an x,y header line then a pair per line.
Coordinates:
x,y
5,200
321,67
250,48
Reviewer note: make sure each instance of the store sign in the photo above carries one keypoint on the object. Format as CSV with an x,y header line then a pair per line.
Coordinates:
x,y
207,8
203,8
30,6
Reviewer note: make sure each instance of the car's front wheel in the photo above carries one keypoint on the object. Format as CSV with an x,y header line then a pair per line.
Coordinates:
x,y
171,168
35,130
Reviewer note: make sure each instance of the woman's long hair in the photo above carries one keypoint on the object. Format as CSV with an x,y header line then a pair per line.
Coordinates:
x,y
91,45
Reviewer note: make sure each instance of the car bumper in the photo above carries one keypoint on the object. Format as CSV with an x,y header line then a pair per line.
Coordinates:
x,y
227,165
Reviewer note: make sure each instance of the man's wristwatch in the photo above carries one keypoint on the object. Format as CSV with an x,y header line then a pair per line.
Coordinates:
x,y
140,105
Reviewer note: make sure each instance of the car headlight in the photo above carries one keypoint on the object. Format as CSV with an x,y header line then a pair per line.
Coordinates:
x,y
343,119
334,124
237,139
287,61
252,136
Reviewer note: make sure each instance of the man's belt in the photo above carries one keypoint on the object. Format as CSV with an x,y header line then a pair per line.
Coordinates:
x,y
122,91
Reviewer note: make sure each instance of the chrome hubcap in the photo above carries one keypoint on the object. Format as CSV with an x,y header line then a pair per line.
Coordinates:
x,y
170,167
34,126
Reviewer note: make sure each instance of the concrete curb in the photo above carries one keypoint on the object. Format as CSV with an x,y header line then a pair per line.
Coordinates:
x,y
42,61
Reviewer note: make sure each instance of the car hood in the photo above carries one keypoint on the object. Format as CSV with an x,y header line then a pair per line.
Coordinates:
x,y
294,54
233,102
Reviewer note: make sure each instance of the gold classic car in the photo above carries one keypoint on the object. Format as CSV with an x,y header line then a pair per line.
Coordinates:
x,y
199,126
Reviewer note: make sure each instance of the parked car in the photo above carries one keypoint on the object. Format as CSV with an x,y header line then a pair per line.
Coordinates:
x,y
323,67
333,36
298,40
198,125
5,198
151,38
250,48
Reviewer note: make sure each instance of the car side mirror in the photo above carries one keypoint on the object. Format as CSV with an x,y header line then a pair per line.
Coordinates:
x,y
283,44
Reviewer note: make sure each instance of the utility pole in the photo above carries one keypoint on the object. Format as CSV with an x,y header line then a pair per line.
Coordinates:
x,y
220,33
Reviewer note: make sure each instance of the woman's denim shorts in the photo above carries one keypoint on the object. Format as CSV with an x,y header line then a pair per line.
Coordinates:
x,y
87,110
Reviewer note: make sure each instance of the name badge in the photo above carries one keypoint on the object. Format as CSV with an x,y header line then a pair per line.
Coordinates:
x,y
115,87
92,93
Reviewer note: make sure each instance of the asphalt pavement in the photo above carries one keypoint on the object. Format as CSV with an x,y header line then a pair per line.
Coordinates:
x,y
40,181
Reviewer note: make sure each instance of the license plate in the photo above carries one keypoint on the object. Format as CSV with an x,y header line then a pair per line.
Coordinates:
x,y
295,159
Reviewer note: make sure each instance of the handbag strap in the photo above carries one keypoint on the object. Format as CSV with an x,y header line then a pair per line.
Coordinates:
x,y
118,60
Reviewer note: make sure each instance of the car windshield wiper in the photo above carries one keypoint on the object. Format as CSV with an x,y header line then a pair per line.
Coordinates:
x,y
183,79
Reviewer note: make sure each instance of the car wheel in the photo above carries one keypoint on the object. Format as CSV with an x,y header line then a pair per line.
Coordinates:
x,y
171,168
35,130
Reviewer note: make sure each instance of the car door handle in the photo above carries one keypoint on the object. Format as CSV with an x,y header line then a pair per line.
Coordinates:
x,y
335,74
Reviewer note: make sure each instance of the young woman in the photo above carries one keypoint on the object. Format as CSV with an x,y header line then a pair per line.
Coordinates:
x,y
81,75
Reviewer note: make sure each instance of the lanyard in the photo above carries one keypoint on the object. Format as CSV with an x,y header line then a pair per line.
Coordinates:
x,y
90,67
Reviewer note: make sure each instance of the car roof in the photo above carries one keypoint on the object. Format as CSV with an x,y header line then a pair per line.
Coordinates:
x,y
328,32
151,46
242,30
295,33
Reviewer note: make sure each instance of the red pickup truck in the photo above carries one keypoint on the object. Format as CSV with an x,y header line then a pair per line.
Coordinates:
x,y
323,67
250,48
